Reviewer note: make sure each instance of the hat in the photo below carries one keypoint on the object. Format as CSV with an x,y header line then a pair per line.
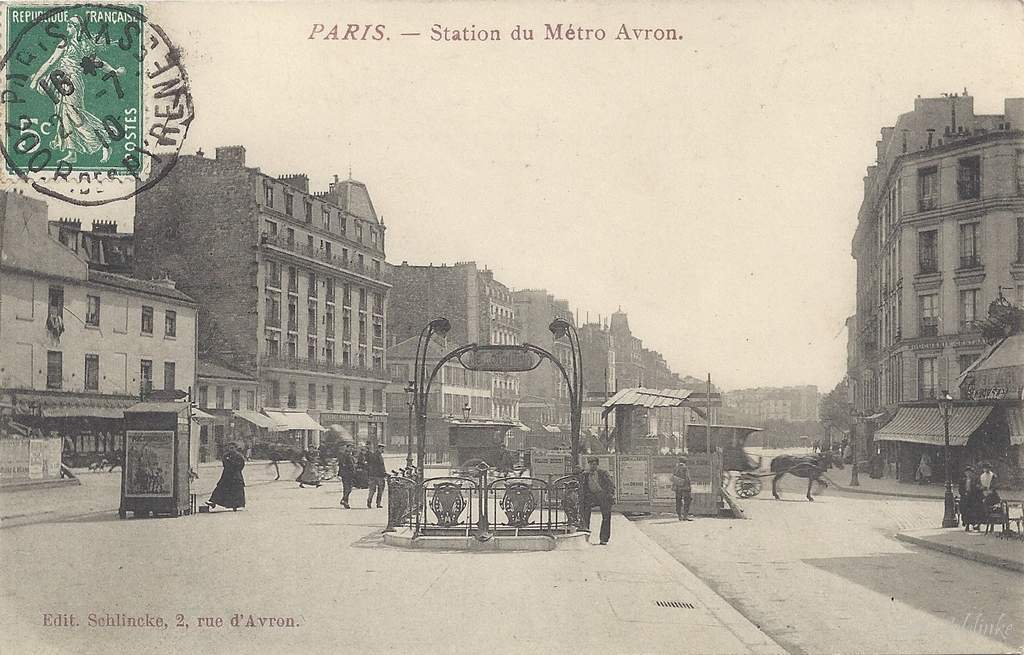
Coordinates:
x,y
986,465
968,468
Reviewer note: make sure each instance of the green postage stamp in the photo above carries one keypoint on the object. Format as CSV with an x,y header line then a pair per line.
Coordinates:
x,y
96,100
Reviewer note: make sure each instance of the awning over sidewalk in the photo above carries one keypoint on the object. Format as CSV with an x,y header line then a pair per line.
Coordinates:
x,y
257,419
925,425
1015,419
294,421
202,418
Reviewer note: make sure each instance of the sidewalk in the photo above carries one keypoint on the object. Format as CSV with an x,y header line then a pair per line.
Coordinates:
x,y
840,479
979,547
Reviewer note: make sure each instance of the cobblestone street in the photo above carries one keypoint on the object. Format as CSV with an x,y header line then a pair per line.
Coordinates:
x,y
828,576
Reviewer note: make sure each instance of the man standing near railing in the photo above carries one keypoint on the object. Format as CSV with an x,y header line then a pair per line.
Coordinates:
x,y
597,488
377,473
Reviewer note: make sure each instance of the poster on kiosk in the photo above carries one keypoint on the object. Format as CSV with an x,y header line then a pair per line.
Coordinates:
x,y
159,453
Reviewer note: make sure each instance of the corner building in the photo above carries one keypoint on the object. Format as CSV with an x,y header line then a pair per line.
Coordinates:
x,y
938,238
292,285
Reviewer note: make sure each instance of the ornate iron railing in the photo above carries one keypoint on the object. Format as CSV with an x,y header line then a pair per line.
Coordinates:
x,y
475,504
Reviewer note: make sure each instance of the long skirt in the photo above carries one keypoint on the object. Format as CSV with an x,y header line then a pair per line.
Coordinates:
x,y
229,493
309,474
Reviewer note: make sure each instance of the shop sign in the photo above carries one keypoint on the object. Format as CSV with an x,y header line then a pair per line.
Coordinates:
x,y
503,359
959,342
994,384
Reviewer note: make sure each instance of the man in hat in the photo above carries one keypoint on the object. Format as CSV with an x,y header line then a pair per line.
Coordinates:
x,y
376,473
681,485
347,472
597,488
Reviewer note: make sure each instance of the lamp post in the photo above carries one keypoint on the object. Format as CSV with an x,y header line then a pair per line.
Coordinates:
x,y
440,326
410,400
948,514
559,328
854,435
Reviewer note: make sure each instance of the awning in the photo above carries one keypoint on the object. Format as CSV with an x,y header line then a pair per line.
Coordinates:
x,y
1015,418
202,418
551,428
294,421
925,425
257,419
523,427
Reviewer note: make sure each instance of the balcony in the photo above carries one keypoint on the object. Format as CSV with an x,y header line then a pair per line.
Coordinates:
x,y
969,261
929,327
969,188
306,250
927,203
302,364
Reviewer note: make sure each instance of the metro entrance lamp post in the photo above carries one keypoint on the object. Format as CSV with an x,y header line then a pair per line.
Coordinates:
x,y
410,400
440,326
559,328
949,513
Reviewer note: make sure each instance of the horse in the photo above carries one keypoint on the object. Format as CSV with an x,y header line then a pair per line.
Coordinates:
x,y
805,466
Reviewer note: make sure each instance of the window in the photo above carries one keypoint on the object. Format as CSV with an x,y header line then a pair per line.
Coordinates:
x,y
360,262
56,302
273,344
236,399
273,274
373,237
54,369
362,328
170,323
346,400
311,326
359,231
293,280
291,394
342,223
965,361
92,311
250,400
362,399
288,203
968,309
312,285
376,267
362,357
290,237
329,321
311,349
168,376
293,346
929,315
293,315
146,375
378,361
926,378
330,396
346,295
273,309
92,372
327,218
268,195
927,252
147,319
969,254
204,392
378,400
378,304
310,249
329,352
273,398
329,289
312,395
362,300
346,354
309,211
928,188
271,229
968,178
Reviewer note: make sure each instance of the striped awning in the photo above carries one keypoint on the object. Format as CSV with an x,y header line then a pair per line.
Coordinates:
x,y
1015,418
257,419
925,425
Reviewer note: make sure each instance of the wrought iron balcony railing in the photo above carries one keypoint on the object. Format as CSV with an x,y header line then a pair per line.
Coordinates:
x,y
351,264
304,364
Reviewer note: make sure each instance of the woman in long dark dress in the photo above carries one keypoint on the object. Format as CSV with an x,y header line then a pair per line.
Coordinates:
x,y
972,509
230,490
309,474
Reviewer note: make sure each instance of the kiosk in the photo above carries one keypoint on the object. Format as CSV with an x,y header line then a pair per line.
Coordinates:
x,y
159,458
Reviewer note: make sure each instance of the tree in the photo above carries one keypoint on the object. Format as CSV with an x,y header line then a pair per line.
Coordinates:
x,y
835,410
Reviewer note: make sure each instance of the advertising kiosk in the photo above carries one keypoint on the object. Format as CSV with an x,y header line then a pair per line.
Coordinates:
x,y
158,443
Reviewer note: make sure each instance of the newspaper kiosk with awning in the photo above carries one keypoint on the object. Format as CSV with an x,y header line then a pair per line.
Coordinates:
x,y
159,454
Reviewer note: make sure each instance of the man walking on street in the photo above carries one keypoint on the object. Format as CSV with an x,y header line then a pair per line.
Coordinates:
x,y
681,485
596,488
347,473
376,474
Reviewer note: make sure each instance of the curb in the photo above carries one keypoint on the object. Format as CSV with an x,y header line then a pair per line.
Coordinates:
x,y
752,637
965,553
41,484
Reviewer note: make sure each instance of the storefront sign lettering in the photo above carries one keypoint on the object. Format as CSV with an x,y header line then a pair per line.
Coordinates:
x,y
506,359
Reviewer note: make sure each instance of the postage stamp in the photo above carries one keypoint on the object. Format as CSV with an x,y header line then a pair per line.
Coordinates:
x,y
96,100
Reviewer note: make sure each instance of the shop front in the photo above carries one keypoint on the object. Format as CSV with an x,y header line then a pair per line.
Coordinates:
x,y
299,428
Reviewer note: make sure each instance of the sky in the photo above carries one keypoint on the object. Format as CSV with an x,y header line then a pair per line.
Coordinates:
x,y
708,186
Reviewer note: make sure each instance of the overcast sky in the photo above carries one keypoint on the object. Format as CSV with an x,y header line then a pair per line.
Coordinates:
x,y
709,186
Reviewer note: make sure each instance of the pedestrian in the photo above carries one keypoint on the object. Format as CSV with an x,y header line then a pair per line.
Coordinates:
x,y
347,473
230,489
118,459
597,488
971,508
987,477
681,485
924,469
309,473
376,474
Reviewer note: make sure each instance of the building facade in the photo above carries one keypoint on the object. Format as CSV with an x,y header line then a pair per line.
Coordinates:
x,y
629,364
599,357
229,396
481,310
799,403
534,311
938,238
292,284
81,345
104,248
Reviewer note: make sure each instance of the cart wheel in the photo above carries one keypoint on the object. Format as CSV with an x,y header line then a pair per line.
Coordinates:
x,y
121,514
748,487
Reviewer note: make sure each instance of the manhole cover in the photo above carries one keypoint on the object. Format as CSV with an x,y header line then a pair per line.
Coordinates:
x,y
674,603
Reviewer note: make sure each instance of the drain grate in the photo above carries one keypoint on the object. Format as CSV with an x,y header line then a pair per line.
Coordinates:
x,y
674,603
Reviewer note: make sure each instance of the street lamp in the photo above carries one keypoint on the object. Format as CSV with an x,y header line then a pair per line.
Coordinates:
x,y
559,328
410,400
948,514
